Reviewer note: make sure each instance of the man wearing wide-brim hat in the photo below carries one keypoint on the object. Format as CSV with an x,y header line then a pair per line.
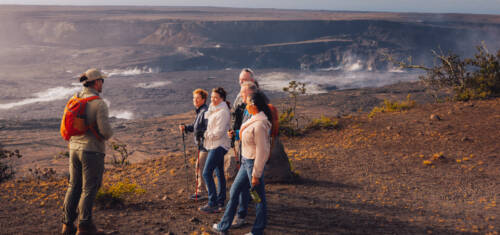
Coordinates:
x,y
86,159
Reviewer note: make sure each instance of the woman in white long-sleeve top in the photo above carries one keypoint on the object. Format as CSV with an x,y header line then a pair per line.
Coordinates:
x,y
217,143
254,135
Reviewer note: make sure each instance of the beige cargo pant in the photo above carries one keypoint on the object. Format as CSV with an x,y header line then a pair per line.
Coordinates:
x,y
85,170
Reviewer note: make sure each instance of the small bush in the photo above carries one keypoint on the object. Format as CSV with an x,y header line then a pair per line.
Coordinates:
x,y
287,125
289,120
121,149
7,159
390,106
323,123
469,78
115,194
42,174
294,172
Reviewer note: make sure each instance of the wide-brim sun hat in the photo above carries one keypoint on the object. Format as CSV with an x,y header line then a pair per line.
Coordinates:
x,y
92,75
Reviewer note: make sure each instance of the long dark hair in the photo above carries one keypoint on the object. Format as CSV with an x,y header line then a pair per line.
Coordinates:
x,y
222,93
259,100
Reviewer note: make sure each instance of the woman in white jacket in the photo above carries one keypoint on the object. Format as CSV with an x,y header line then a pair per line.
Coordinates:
x,y
217,143
254,134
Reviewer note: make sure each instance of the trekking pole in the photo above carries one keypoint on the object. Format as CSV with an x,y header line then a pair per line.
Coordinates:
x,y
185,159
197,174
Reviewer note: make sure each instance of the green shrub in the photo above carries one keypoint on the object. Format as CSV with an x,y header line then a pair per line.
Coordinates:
x,y
294,172
470,78
323,123
113,195
287,125
390,106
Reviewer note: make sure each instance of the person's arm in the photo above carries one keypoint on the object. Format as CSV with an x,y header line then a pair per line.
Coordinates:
x,y
102,120
261,140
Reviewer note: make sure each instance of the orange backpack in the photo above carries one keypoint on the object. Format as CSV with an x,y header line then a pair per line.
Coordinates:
x,y
275,124
74,120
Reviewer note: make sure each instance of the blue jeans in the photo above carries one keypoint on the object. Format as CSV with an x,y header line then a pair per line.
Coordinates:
x,y
215,161
242,182
244,194
244,198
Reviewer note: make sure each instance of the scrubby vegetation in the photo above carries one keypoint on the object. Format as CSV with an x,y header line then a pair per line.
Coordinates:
x,y
121,149
42,174
393,106
322,123
289,119
469,78
115,194
7,159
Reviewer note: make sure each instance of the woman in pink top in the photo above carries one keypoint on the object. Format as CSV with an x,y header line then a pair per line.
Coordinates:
x,y
254,135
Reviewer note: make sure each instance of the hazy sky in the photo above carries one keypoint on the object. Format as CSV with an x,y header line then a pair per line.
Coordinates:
x,y
440,6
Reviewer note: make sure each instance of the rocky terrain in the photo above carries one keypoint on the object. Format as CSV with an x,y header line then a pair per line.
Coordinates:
x,y
394,173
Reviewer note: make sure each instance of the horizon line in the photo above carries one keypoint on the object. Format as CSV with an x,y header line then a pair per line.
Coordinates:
x,y
252,8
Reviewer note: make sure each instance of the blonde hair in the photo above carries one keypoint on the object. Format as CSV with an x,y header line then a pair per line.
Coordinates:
x,y
202,93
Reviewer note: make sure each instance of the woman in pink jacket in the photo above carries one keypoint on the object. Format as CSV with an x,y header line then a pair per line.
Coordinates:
x,y
254,134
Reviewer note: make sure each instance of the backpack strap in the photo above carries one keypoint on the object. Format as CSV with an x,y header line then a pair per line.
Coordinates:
x,y
96,134
88,99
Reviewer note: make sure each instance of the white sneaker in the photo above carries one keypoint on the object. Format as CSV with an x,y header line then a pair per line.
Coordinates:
x,y
217,231
238,222
250,233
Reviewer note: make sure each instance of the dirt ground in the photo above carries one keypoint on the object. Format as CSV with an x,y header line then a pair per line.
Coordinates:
x,y
395,173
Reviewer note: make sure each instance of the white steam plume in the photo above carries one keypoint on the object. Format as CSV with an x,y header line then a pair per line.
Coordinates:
x,y
56,93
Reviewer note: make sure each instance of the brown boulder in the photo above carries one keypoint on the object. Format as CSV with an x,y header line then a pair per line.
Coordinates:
x,y
278,167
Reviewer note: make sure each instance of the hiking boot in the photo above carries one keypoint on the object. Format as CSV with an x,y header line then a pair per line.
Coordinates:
x,y
68,229
216,230
209,209
238,222
201,196
89,230
221,208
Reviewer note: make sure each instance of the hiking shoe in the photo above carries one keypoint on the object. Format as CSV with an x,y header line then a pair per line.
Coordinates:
x,y
221,208
89,230
216,230
68,229
201,196
209,209
238,222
